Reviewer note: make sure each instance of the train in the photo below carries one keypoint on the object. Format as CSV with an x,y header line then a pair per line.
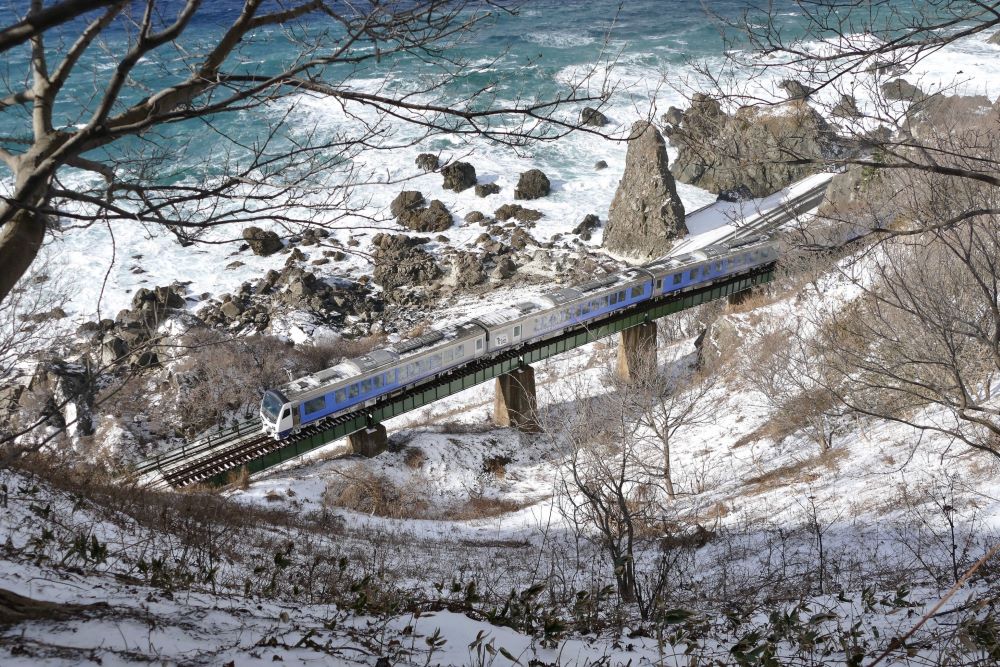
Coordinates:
x,y
361,382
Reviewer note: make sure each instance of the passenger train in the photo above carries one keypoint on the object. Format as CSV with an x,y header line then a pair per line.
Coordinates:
x,y
364,380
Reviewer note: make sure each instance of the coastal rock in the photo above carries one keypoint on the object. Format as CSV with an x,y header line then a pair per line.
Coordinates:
x,y
672,116
901,90
504,269
533,184
434,218
405,202
467,270
943,114
520,239
474,217
646,214
844,193
737,194
795,89
401,262
587,226
600,164
487,189
719,152
458,176
262,242
428,162
593,117
994,39
518,212
847,107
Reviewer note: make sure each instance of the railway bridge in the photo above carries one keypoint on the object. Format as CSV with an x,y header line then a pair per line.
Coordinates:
x,y
213,459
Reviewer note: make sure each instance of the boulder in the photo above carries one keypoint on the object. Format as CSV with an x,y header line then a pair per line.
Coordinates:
x,y
533,184
113,349
646,214
901,90
487,189
518,212
474,216
520,239
587,226
458,176
434,218
593,117
232,310
467,270
428,161
737,194
406,201
504,269
600,164
262,242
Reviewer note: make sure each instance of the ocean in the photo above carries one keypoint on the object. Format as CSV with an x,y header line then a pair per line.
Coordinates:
x,y
533,54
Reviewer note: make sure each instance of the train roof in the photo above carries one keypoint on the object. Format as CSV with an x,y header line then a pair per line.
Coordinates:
x,y
510,313
566,294
307,383
416,345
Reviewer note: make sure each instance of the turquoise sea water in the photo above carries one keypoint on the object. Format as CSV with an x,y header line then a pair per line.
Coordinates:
x,y
533,54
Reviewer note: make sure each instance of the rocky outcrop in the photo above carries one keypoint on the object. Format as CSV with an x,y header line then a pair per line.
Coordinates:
x,y
409,210
843,194
672,116
752,148
593,118
901,90
401,262
587,226
467,270
599,165
940,115
458,176
533,184
646,214
795,89
71,390
847,107
487,189
737,194
518,212
262,242
994,39
428,162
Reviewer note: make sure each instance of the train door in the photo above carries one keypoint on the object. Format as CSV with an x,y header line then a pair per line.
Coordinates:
x,y
516,335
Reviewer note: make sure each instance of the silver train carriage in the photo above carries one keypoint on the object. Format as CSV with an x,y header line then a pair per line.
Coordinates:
x,y
361,381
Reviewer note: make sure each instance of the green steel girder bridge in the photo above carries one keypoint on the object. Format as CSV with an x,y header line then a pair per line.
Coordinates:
x,y
214,459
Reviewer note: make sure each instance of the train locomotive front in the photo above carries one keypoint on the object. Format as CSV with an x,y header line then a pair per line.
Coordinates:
x,y
276,415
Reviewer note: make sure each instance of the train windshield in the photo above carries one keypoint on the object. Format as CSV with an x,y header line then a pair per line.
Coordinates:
x,y
271,406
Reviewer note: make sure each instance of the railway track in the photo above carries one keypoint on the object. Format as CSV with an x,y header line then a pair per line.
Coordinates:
x,y
226,450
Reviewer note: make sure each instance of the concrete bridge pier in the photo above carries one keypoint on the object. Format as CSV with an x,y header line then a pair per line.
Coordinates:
x,y
515,404
637,351
368,442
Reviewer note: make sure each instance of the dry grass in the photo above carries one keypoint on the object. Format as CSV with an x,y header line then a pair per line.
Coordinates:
x,y
414,458
361,490
807,470
496,466
482,507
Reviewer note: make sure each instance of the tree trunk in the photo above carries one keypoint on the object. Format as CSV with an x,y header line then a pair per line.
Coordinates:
x,y
20,240
667,479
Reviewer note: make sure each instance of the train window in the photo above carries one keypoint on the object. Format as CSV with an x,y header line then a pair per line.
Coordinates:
x,y
352,391
366,386
718,266
449,356
621,295
585,308
605,302
614,298
340,396
678,277
659,283
437,361
479,344
316,405
287,413
517,331
377,380
460,351
637,291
